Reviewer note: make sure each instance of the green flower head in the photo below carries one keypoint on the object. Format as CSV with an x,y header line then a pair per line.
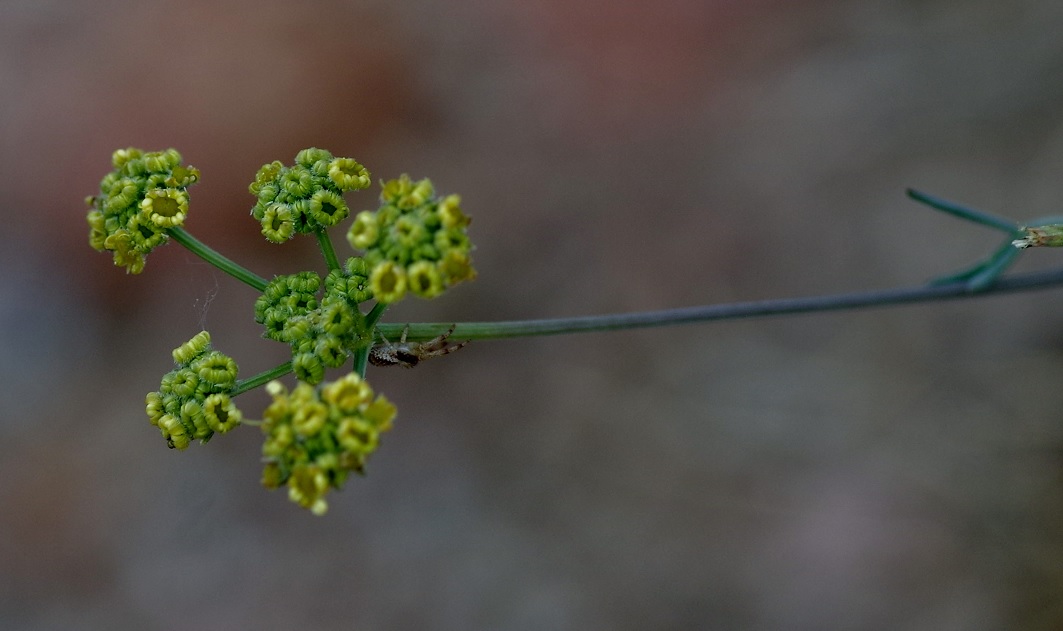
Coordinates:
x,y
315,437
144,196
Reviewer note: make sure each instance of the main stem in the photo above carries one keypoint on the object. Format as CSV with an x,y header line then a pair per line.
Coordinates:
x,y
689,315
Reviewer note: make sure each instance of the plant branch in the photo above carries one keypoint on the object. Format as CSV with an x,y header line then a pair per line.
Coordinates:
x,y
731,311
210,255
970,214
261,378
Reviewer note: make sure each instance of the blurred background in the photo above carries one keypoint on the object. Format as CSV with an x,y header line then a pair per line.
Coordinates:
x,y
899,468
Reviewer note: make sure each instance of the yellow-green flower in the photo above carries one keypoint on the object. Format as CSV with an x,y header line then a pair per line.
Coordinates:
x,y
388,282
364,232
309,418
347,394
307,488
348,175
450,214
165,207
221,413
424,279
456,267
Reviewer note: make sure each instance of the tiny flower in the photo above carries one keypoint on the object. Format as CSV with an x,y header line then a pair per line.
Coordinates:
x,y
191,349
97,233
311,156
364,232
309,418
347,394
308,368
307,488
328,208
121,156
298,181
457,267
336,318
357,435
166,207
272,476
182,177
421,193
277,223
192,414
450,214
267,176
154,407
381,413
278,441
329,349
388,282
121,243
216,369
409,232
184,382
348,174
424,279
221,413
174,432
161,161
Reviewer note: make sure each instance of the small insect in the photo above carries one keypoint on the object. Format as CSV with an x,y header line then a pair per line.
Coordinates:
x,y
408,354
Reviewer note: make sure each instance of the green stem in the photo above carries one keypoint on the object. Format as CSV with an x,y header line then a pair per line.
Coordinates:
x,y
732,311
210,255
375,314
361,356
261,378
963,212
325,243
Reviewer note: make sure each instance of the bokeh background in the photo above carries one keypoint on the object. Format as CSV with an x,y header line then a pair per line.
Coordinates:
x,y
891,469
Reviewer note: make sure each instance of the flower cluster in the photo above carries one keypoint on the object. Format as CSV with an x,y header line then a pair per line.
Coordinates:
x,y
414,242
322,333
193,399
146,194
316,436
306,197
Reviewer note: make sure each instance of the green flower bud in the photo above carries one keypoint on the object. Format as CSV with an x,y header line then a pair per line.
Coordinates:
x,y
277,223
308,157
331,351
308,367
348,175
328,208
217,370
191,349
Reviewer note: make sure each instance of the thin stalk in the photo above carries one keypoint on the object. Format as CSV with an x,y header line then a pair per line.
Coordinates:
x,y
732,311
325,243
210,255
261,378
